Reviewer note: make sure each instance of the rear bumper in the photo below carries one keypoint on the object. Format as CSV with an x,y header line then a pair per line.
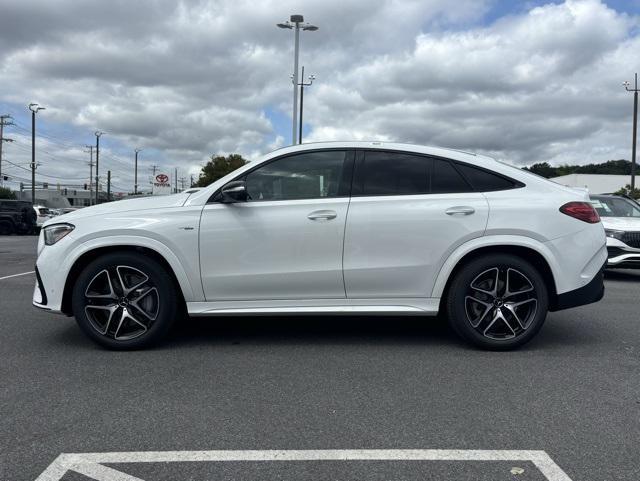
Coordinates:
x,y
588,294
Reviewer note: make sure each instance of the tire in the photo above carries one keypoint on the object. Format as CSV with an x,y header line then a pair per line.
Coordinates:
x,y
6,227
138,316
482,312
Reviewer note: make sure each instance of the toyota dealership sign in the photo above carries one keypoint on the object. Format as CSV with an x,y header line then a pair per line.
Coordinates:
x,y
161,184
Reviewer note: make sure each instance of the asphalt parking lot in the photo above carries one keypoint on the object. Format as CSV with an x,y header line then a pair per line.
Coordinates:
x,y
319,383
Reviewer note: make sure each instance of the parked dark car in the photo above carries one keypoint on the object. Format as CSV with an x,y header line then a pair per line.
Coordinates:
x,y
17,217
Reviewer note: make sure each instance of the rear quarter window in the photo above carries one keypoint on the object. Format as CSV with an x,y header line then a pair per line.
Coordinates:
x,y
485,181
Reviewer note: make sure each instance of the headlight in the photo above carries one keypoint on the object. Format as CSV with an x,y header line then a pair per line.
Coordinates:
x,y
616,234
53,233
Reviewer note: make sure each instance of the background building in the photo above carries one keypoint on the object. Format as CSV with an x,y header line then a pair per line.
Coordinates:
x,y
595,183
57,198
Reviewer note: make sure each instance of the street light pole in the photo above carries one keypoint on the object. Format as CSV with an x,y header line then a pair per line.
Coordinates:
x,y
135,174
295,23
97,134
635,129
34,109
302,86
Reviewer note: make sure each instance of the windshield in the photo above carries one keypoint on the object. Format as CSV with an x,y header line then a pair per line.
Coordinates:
x,y
615,207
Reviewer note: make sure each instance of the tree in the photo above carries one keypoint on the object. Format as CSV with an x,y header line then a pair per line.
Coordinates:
x,y
218,167
613,167
543,169
6,193
626,190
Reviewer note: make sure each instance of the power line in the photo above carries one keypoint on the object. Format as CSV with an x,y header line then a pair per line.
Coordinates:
x,y
42,174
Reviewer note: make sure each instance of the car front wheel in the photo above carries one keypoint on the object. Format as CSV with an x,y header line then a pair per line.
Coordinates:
x,y
124,301
497,302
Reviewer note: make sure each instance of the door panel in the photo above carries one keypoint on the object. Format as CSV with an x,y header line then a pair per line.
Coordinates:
x,y
273,250
408,213
395,245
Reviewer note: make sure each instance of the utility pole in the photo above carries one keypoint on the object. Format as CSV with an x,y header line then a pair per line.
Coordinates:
x,y
175,180
635,130
302,86
5,120
34,109
108,186
182,182
135,173
97,134
90,147
154,169
295,23
191,183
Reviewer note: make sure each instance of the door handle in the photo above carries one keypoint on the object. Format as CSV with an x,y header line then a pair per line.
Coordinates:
x,y
322,215
460,210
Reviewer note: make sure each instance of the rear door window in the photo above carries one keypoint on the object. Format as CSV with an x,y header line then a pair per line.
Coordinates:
x,y
392,173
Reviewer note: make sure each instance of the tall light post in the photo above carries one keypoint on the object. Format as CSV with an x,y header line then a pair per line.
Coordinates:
x,y
302,86
98,133
296,23
35,108
635,129
135,173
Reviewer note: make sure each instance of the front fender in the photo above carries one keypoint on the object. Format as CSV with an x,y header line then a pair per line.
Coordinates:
x,y
192,291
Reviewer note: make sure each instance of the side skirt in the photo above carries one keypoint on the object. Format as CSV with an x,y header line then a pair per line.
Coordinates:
x,y
422,306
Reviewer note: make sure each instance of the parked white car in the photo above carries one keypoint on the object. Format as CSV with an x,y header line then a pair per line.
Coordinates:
x,y
621,219
332,228
43,214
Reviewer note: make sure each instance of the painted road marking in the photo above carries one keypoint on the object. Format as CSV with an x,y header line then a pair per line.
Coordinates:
x,y
16,275
92,464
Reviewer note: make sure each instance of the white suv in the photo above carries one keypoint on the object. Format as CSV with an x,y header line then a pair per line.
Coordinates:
x,y
331,228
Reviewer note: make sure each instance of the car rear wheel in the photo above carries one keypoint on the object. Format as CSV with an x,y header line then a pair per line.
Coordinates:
x,y
497,302
125,301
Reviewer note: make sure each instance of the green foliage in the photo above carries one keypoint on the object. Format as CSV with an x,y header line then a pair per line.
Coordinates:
x,y
6,193
635,193
615,167
218,167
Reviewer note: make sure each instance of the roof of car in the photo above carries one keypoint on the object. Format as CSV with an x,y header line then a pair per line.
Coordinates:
x,y
375,144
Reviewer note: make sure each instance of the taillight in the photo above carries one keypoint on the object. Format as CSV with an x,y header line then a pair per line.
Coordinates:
x,y
583,211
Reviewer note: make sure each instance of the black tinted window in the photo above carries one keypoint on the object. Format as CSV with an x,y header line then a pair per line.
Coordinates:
x,y
446,179
484,181
304,176
391,173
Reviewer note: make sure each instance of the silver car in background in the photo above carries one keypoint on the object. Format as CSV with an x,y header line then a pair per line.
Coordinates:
x,y
621,219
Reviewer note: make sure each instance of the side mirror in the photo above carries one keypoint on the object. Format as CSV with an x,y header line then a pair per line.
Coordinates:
x,y
235,191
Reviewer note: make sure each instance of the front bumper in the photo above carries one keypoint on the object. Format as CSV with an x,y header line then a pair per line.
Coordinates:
x,y
621,255
588,294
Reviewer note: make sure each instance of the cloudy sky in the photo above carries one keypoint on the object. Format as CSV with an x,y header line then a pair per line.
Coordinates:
x,y
522,81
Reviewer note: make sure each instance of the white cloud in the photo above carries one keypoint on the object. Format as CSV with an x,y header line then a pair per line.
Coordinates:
x,y
195,78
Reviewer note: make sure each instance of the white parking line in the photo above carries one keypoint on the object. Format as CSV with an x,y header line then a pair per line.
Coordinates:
x,y
16,275
90,464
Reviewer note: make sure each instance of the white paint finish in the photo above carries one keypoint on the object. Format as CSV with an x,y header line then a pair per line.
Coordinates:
x,y
17,275
418,306
394,246
535,212
91,464
159,230
401,246
272,250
